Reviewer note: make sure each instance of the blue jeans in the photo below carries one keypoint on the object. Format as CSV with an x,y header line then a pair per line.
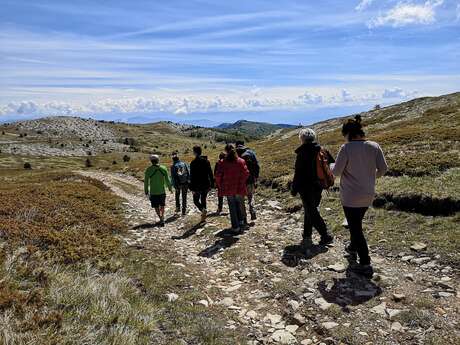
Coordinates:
x,y
235,204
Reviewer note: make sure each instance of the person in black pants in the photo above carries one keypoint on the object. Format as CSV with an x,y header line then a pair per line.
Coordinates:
x,y
306,183
201,180
220,198
359,162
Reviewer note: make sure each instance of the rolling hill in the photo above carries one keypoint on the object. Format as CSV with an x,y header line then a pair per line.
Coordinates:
x,y
253,129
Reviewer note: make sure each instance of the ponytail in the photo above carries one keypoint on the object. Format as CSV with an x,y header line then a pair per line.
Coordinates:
x,y
231,153
353,128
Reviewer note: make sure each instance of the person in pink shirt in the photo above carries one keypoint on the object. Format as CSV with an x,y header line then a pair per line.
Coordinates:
x,y
359,162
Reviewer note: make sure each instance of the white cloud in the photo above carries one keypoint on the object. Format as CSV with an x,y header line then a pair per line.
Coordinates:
x,y
183,104
408,13
363,5
311,98
398,93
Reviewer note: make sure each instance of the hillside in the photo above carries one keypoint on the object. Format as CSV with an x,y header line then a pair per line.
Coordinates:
x,y
85,263
253,129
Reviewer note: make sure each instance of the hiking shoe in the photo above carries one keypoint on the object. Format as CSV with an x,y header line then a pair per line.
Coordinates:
x,y
306,245
161,224
325,240
253,216
364,270
204,214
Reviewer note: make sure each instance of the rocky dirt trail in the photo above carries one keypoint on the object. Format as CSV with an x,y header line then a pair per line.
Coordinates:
x,y
266,286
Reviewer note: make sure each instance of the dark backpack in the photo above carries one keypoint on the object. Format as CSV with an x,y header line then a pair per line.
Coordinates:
x,y
182,174
252,164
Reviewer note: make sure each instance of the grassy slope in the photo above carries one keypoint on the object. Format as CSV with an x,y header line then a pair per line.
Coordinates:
x,y
67,279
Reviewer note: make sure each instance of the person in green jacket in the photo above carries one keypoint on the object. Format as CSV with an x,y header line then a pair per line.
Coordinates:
x,y
155,179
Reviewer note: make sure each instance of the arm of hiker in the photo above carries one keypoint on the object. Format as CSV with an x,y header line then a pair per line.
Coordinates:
x,y
211,175
146,183
298,172
168,181
382,166
340,162
173,180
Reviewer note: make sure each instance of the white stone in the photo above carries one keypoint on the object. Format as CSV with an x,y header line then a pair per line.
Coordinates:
x,y
306,342
172,297
252,314
283,337
322,303
418,246
380,309
292,328
396,327
227,301
329,325
203,302
338,267
294,304
392,313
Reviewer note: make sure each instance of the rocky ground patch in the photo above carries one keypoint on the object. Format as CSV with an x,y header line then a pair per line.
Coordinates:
x,y
268,288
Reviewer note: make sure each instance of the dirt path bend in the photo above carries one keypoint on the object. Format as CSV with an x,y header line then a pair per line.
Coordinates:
x,y
267,285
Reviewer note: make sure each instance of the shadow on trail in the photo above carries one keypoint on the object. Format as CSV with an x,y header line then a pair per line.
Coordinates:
x,y
172,218
145,226
352,290
218,246
190,232
293,254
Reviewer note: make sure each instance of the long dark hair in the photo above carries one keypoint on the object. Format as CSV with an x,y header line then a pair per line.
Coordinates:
x,y
231,153
353,128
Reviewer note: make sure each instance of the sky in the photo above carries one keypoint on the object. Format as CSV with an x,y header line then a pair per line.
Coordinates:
x,y
281,61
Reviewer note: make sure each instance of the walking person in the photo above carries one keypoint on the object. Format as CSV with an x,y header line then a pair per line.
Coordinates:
x,y
155,180
254,169
201,180
231,178
307,183
220,198
359,162
180,178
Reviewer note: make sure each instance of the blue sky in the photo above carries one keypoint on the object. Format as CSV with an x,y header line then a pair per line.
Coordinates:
x,y
279,61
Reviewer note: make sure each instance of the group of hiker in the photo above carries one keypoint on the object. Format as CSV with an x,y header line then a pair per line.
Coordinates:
x,y
358,163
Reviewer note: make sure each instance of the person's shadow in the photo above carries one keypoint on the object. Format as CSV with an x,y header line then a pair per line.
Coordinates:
x,y
352,290
190,232
155,225
218,246
294,254
227,239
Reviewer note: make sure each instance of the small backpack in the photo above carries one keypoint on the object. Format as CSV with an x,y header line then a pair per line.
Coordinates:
x,y
324,173
182,173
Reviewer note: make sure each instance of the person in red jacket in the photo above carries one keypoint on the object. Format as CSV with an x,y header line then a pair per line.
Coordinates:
x,y
231,177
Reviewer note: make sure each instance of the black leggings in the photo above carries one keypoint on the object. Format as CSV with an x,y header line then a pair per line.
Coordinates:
x,y
199,199
358,243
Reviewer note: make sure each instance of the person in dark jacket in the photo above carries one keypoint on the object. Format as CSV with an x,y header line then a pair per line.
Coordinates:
x,y
220,197
180,178
306,183
201,180
253,165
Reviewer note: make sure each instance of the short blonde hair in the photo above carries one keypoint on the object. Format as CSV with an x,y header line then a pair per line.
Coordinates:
x,y
307,135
